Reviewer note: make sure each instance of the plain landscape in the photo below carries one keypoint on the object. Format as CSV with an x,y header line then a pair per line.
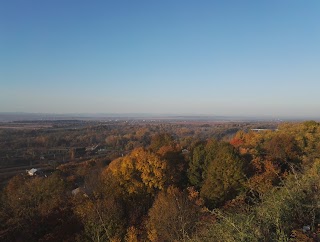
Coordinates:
x,y
160,179
159,121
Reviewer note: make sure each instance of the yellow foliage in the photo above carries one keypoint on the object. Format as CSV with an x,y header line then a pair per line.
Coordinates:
x,y
173,217
141,171
115,239
132,234
152,234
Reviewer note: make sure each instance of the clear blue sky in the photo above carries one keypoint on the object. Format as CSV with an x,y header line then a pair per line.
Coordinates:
x,y
248,58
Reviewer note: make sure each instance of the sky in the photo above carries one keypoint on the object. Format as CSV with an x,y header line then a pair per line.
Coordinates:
x,y
233,58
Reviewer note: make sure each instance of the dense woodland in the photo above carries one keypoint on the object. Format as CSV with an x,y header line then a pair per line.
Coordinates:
x,y
164,182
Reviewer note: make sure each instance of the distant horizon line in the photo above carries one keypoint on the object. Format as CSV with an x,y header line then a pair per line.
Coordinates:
x,y
161,115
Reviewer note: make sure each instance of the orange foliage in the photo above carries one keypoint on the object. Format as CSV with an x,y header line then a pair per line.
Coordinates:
x,y
268,174
236,142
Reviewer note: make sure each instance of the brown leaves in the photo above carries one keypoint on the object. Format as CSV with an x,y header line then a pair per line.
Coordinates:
x,y
173,216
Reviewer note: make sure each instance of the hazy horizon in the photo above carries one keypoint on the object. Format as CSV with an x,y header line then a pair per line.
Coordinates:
x,y
248,58
16,116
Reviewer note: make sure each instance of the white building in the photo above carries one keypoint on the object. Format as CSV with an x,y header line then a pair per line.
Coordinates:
x,y
32,171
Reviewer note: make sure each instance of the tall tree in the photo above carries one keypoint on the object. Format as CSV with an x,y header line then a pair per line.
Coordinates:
x,y
173,216
224,177
203,155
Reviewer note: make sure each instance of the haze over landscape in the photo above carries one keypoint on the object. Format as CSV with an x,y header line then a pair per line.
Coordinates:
x,y
158,120
233,58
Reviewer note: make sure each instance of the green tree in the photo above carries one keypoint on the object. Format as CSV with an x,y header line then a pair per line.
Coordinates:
x,y
197,166
224,177
203,155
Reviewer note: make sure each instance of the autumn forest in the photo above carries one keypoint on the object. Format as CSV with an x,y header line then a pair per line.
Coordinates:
x,y
134,180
